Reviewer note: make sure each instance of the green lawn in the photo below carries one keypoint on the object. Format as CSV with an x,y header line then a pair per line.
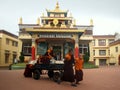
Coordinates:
x,y
18,66
89,66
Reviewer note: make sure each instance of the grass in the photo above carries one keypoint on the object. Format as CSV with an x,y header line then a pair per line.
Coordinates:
x,y
89,65
18,66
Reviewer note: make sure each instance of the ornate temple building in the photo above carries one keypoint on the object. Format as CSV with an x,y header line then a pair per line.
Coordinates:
x,y
58,30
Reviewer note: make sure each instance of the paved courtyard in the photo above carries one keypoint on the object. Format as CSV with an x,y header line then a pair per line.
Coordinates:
x,y
103,78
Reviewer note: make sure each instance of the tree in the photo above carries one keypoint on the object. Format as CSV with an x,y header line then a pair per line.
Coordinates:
x,y
21,57
86,57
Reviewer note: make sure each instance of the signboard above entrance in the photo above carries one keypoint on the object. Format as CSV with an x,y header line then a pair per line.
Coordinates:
x,y
55,35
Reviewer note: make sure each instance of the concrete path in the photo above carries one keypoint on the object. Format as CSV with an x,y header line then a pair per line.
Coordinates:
x,y
103,78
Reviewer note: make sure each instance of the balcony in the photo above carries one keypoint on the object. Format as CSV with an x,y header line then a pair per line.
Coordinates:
x,y
86,37
24,36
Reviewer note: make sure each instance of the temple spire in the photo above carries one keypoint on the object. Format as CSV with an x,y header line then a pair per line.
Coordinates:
x,y
91,22
74,23
70,14
57,5
57,9
38,21
20,20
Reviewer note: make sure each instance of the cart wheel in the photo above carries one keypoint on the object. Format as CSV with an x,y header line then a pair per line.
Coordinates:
x,y
50,73
57,77
36,74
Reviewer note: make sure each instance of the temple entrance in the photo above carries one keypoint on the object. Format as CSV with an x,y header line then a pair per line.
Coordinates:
x,y
57,52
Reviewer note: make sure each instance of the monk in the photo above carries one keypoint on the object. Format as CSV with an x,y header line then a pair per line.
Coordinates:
x,y
45,59
78,69
49,53
68,74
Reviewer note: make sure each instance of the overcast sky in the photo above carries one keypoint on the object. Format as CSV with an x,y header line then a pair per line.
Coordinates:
x,y
105,13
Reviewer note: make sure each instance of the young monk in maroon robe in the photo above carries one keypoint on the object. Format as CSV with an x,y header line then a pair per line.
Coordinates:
x,y
78,69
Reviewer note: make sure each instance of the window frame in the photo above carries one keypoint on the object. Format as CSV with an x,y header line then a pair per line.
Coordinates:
x,y
102,42
102,52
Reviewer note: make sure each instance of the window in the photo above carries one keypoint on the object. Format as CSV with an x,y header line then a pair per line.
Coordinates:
x,y
101,42
7,41
85,45
57,15
80,50
94,42
62,15
93,52
116,49
51,15
14,54
80,45
14,43
83,48
108,52
27,49
102,52
110,41
7,54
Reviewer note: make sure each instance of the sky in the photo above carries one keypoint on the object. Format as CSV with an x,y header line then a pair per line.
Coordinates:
x,y
105,13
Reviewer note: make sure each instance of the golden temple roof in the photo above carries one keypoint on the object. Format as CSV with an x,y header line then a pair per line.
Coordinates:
x,y
57,9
